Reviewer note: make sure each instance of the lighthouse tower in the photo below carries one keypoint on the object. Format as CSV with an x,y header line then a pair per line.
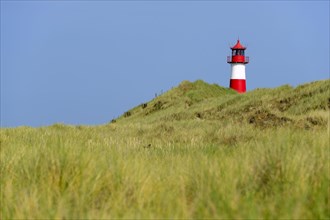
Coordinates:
x,y
238,61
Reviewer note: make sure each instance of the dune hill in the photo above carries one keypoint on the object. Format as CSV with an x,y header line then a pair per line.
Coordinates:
x,y
304,106
197,151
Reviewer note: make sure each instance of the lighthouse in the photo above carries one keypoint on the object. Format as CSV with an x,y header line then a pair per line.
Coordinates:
x,y
238,61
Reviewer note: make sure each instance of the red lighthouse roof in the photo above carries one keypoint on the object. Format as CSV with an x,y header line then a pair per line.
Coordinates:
x,y
238,45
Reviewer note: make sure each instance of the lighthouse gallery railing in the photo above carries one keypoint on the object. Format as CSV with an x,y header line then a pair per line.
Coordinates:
x,y
247,59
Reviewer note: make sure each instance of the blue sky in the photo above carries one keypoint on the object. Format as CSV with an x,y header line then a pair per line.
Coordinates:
x,y
87,62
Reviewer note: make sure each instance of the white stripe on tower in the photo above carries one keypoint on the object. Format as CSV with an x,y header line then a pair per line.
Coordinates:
x,y
237,71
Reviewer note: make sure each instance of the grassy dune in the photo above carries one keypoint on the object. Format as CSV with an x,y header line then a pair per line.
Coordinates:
x,y
197,151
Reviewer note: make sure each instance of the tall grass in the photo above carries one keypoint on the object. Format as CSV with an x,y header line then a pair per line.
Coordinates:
x,y
181,168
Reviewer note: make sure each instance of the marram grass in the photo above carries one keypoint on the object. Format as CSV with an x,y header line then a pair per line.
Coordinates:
x,y
267,163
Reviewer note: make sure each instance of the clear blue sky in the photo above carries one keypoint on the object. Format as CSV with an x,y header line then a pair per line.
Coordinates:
x,y
86,62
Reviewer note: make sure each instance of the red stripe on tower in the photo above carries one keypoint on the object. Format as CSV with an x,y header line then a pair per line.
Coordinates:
x,y
238,61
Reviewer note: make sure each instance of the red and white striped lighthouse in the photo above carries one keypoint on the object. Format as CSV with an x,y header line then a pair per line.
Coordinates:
x,y
238,61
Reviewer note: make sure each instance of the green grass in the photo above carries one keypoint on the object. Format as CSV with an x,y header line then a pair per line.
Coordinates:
x,y
197,151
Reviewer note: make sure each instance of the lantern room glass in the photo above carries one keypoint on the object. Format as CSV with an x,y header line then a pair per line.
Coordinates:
x,y
238,53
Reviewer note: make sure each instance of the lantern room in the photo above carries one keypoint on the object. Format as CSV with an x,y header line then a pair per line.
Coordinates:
x,y
238,54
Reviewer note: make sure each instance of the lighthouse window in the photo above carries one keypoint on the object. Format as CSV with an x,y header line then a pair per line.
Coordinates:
x,y
238,52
